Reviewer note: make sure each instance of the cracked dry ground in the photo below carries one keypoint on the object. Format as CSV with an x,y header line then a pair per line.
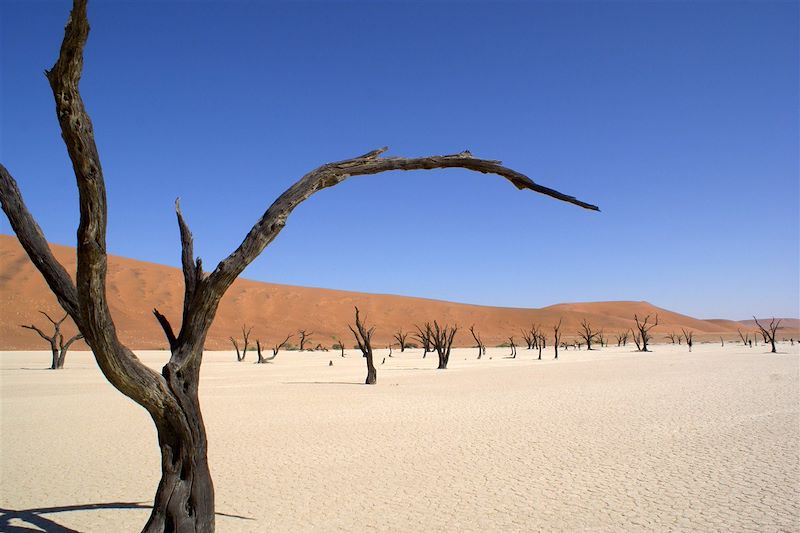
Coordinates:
x,y
602,441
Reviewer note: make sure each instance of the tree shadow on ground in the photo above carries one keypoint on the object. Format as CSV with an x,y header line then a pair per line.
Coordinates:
x,y
42,523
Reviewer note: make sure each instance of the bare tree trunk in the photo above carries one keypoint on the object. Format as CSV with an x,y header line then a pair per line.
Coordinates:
x,y
363,337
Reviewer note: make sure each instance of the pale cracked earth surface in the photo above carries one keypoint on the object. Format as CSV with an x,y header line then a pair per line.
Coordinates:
x,y
604,441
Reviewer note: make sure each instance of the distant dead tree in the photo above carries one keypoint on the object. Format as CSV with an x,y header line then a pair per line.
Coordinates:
x,y
513,347
401,339
622,338
305,336
363,337
769,331
557,337
745,338
442,340
722,341
184,498
529,337
58,347
275,349
246,334
673,338
424,336
541,343
688,335
643,333
340,344
601,338
390,350
478,341
587,333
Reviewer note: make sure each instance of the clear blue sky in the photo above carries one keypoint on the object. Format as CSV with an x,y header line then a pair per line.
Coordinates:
x,y
679,119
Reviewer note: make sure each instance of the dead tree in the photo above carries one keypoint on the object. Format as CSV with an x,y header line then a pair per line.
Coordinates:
x,y
673,337
304,337
557,337
363,337
745,338
513,347
529,337
275,349
622,338
769,331
340,344
184,499
542,342
688,335
643,332
58,347
424,336
637,339
601,338
401,339
246,334
478,341
587,334
442,341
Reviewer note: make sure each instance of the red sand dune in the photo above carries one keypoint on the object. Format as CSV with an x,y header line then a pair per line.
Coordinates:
x,y
136,287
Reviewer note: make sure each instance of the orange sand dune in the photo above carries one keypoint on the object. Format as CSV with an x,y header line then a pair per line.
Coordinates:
x,y
136,287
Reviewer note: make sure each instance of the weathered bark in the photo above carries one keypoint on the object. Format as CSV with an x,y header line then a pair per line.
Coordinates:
x,y
363,337
769,332
442,340
184,500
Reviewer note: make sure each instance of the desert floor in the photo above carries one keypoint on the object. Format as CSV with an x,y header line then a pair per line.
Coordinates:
x,y
604,441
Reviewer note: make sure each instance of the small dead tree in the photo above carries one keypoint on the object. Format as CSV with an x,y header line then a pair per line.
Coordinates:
x,y
478,341
529,337
643,333
769,331
745,338
601,338
587,333
424,336
401,339
673,338
688,335
541,343
305,336
58,346
513,347
442,340
363,337
340,344
275,349
557,337
246,334
622,338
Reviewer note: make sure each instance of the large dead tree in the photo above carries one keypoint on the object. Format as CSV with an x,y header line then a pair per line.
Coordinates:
x,y
240,355
401,339
58,346
587,333
363,336
642,336
478,341
557,337
769,331
305,336
423,334
442,340
184,499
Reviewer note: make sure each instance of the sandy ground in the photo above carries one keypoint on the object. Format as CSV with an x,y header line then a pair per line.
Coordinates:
x,y
602,441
